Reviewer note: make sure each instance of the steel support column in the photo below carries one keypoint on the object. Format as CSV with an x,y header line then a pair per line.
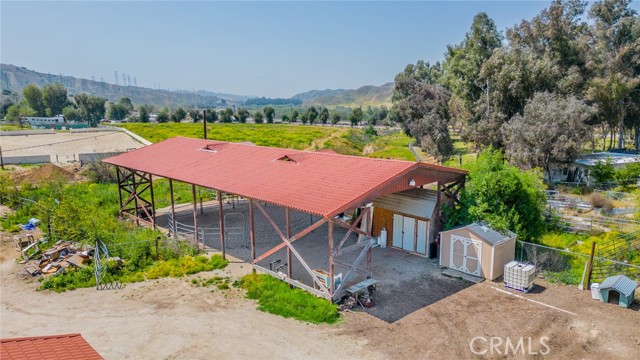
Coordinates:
x,y
221,220
195,213
252,232
287,213
174,227
332,286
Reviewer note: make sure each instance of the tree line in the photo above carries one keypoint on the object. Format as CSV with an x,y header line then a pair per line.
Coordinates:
x,y
541,91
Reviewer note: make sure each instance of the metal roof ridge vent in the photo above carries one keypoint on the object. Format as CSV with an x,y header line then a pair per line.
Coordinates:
x,y
212,148
287,158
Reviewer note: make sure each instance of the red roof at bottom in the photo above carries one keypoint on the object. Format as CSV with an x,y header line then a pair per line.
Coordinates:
x,y
54,347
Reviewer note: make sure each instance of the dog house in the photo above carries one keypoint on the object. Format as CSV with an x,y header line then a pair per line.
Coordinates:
x,y
622,286
407,218
477,250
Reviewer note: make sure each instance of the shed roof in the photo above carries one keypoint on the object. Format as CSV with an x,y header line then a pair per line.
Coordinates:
x,y
486,233
620,283
314,182
55,347
416,202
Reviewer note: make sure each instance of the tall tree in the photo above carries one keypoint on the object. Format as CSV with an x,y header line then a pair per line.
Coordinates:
x,y
54,97
269,113
312,114
464,61
242,114
178,115
163,116
335,118
423,112
144,113
195,115
33,95
323,116
71,113
92,108
294,115
212,115
356,116
117,111
616,62
226,116
552,129
258,117
126,102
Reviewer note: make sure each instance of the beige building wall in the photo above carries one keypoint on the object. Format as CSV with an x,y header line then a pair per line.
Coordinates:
x,y
503,254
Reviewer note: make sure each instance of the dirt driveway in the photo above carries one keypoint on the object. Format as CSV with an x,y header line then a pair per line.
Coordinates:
x,y
172,319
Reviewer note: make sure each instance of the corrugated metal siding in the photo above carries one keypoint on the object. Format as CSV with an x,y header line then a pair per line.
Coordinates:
x,y
415,202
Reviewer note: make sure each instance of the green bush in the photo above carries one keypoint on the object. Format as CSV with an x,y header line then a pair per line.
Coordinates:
x,y
278,298
185,265
502,196
72,279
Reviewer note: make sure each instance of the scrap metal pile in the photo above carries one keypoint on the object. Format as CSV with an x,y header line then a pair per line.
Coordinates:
x,y
55,260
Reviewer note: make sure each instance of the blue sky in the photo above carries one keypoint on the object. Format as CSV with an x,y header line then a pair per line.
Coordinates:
x,y
273,49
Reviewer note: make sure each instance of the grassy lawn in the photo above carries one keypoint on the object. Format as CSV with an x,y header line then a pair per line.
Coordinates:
x,y
277,297
275,135
348,141
393,146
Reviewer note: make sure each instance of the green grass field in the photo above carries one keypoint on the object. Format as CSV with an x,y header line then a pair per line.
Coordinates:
x,y
347,141
276,135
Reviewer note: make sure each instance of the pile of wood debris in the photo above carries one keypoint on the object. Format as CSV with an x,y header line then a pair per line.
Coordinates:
x,y
55,260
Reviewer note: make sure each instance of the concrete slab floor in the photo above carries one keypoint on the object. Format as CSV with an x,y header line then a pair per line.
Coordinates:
x,y
406,282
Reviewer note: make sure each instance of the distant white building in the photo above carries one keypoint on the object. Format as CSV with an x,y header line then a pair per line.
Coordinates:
x,y
49,122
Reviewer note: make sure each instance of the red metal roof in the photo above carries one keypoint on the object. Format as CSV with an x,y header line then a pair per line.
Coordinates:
x,y
55,347
314,182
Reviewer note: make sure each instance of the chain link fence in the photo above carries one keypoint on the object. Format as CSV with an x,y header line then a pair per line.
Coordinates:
x,y
559,265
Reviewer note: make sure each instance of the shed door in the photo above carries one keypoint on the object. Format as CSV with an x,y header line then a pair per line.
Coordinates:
x,y
397,230
409,234
421,242
465,255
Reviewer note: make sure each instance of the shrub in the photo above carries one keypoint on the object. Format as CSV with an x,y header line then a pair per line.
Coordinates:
x,y
278,298
599,201
596,200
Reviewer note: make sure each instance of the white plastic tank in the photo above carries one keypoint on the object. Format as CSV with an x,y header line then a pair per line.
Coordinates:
x,y
382,239
595,291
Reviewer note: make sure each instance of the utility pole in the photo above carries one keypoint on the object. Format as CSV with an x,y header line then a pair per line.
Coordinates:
x,y
204,123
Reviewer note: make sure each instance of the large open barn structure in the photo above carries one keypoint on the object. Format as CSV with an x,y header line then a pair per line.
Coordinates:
x,y
337,194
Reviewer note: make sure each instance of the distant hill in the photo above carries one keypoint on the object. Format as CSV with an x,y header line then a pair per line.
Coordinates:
x,y
15,78
368,95
314,94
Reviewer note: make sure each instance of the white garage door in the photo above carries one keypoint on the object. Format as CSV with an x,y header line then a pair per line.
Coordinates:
x,y
465,255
